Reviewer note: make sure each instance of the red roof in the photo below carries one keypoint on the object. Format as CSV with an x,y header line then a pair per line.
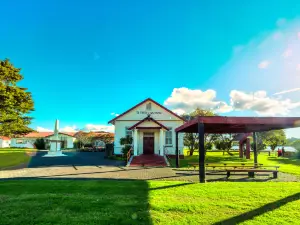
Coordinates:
x,y
222,124
4,138
148,118
148,99
71,134
36,134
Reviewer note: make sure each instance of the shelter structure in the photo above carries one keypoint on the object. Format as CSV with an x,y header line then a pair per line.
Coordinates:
x,y
222,125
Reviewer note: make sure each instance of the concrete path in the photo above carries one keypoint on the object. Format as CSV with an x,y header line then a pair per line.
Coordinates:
x,y
127,173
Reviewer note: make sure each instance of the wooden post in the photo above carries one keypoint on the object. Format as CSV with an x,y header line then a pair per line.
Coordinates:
x,y
255,148
248,148
201,153
241,150
177,151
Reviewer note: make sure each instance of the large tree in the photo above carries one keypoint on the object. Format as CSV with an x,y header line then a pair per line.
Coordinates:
x,y
191,139
274,138
84,138
15,102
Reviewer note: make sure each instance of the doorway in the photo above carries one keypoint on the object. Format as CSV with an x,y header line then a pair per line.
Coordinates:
x,y
148,143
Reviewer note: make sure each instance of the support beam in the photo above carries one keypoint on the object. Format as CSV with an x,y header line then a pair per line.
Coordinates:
x,y
255,148
248,147
177,151
241,150
201,153
135,142
161,142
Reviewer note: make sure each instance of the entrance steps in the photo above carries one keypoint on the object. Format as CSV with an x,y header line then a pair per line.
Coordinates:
x,y
148,161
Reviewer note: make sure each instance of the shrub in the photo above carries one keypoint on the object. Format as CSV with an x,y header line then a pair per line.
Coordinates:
x,y
125,150
40,143
126,140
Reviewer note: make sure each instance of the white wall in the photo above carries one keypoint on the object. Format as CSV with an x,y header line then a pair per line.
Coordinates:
x,y
4,143
132,117
29,143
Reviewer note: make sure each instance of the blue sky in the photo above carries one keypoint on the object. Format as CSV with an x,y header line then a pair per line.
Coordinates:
x,y
84,60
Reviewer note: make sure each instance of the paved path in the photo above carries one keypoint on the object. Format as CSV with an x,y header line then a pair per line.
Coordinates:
x,y
129,173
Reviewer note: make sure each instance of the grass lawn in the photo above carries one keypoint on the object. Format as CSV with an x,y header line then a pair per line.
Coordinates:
x,y
287,165
153,202
13,157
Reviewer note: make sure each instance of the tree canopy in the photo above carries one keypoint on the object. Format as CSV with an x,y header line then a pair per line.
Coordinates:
x,y
190,139
274,138
15,102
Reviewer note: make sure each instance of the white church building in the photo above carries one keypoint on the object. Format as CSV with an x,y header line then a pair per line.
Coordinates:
x,y
152,127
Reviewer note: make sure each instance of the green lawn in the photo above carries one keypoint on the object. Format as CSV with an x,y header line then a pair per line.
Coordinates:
x,y
154,202
287,165
13,157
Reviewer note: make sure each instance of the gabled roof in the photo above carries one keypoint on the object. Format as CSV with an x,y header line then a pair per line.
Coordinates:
x,y
71,134
148,99
36,134
4,138
148,118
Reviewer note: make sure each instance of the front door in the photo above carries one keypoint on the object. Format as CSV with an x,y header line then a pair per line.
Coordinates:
x,y
148,143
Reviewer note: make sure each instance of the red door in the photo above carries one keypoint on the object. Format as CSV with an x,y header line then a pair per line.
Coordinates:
x,y
148,145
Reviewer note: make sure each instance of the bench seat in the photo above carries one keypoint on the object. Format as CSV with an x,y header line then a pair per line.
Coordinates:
x,y
251,172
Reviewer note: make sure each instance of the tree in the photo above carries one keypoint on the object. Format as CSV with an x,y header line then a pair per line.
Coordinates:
x,y
191,139
84,138
260,141
40,143
15,102
126,141
274,138
224,142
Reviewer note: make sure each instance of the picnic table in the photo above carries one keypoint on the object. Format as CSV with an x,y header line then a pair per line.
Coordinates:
x,y
232,165
250,168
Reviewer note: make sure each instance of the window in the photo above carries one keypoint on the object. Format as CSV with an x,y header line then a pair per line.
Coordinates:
x,y
148,106
20,141
169,134
128,132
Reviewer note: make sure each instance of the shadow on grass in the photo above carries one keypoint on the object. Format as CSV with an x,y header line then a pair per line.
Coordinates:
x,y
259,211
73,201
67,201
292,161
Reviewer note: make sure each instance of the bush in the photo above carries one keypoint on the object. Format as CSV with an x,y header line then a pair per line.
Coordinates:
x,y
125,150
40,143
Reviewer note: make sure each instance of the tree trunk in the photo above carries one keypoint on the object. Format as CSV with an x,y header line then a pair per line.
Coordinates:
x,y
192,151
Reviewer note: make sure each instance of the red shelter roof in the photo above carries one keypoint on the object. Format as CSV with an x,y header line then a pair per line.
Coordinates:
x,y
222,124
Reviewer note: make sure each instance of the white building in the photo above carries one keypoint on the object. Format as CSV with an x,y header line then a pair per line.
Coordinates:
x,y
28,140
4,142
152,127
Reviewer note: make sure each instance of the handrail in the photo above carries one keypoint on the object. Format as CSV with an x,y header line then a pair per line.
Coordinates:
x,y
128,155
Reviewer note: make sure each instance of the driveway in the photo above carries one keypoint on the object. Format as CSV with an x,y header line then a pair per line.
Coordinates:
x,y
73,159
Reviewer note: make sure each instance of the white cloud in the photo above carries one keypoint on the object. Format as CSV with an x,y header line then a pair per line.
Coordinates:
x,y
42,129
287,91
298,67
69,129
264,64
114,114
99,127
260,103
184,100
